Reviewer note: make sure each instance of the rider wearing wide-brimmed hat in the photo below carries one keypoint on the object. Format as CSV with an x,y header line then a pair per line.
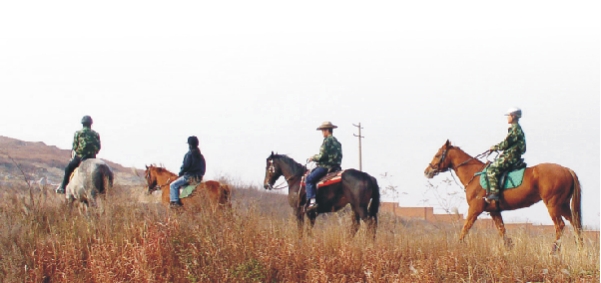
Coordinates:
x,y
328,160
86,144
513,146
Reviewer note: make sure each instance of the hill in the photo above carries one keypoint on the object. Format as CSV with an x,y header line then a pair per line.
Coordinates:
x,y
38,160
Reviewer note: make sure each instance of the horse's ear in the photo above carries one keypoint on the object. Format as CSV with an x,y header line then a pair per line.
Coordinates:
x,y
447,144
146,166
271,154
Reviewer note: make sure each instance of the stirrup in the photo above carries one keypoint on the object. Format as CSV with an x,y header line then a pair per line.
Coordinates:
x,y
491,197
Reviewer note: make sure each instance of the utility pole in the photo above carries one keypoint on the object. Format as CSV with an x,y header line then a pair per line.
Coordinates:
x,y
360,137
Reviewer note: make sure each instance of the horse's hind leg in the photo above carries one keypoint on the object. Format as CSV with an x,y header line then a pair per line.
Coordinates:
x,y
566,212
555,212
498,219
360,213
355,224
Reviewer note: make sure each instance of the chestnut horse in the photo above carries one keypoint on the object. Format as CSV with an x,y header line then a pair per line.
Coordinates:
x,y
218,194
551,183
355,188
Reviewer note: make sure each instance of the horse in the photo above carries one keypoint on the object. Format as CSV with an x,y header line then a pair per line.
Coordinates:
x,y
91,178
218,194
355,188
554,184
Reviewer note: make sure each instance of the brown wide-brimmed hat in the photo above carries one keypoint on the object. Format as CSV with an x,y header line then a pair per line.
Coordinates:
x,y
327,125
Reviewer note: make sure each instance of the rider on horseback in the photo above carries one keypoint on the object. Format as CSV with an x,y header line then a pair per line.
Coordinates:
x,y
86,144
513,146
328,160
192,170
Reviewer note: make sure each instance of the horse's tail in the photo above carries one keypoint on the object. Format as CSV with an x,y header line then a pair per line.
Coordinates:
x,y
576,203
102,179
375,198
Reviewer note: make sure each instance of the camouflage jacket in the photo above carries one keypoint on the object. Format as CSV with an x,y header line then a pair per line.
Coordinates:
x,y
86,142
514,144
330,153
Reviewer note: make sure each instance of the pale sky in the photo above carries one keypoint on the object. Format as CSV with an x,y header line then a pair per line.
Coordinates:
x,y
255,76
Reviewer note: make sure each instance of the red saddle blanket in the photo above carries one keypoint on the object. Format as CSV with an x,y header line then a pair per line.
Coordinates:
x,y
329,179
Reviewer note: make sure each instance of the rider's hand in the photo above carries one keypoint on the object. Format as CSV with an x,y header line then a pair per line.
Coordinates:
x,y
309,159
492,148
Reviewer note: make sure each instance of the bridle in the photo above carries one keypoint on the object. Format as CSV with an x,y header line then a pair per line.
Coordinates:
x,y
271,169
440,161
444,155
157,187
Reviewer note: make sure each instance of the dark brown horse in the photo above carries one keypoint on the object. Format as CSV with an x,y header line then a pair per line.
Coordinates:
x,y
356,188
554,184
214,193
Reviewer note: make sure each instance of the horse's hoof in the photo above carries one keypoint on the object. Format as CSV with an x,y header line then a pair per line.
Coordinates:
x,y
508,243
555,248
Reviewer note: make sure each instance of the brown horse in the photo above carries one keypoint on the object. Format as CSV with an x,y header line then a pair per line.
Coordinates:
x,y
217,194
551,183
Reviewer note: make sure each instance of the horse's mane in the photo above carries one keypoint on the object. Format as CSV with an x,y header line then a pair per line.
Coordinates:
x,y
297,168
160,169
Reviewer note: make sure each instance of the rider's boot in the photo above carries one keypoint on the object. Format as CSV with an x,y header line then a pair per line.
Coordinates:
x,y
60,189
175,204
312,204
493,195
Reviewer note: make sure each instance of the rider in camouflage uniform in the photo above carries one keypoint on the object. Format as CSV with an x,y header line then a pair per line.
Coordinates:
x,y
328,160
513,147
86,144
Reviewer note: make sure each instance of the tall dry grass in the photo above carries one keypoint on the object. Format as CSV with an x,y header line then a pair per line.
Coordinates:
x,y
126,240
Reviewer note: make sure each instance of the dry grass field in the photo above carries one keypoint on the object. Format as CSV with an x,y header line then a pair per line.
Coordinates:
x,y
130,238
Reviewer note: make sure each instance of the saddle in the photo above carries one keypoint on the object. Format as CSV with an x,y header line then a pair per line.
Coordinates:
x,y
509,179
187,190
329,179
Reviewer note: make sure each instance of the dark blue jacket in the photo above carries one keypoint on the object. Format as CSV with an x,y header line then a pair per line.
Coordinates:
x,y
194,164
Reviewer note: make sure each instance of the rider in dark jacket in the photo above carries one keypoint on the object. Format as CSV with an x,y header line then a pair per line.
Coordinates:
x,y
192,170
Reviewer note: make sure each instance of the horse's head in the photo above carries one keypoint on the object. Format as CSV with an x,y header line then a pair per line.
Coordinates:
x,y
440,162
151,178
272,171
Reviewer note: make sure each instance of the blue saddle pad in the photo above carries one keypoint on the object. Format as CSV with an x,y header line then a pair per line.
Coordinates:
x,y
514,179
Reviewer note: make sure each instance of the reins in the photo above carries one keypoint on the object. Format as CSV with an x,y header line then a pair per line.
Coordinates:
x,y
159,187
284,184
487,153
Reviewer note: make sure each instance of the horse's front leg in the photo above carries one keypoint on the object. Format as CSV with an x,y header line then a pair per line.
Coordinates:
x,y
300,221
472,215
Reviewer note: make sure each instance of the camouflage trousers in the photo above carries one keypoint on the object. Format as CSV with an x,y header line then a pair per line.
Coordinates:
x,y
494,171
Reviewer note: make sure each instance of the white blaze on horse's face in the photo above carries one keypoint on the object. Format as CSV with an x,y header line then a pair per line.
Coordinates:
x,y
270,172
